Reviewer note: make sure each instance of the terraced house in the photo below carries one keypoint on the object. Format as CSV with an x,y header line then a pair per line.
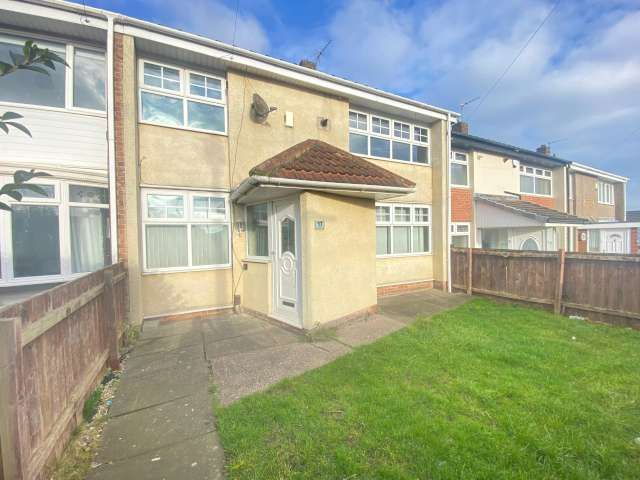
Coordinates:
x,y
228,179
508,197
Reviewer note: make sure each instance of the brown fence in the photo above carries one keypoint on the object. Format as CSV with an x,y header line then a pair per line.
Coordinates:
x,y
600,287
54,348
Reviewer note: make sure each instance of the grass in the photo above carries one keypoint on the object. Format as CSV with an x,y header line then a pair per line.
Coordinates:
x,y
487,390
91,404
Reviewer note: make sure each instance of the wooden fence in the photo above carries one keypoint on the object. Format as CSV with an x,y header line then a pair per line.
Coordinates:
x,y
54,349
601,287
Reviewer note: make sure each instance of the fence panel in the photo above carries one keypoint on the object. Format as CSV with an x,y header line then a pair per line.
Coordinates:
x,y
61,341
602,287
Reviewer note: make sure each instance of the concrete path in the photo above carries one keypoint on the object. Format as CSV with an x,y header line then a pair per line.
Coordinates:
x,y
162,425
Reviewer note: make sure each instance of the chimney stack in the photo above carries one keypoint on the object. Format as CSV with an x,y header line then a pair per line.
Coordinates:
x,y
461,127
307,64
544,150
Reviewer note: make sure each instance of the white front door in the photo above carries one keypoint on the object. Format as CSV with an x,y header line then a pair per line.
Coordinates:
x,y
614,241
286,306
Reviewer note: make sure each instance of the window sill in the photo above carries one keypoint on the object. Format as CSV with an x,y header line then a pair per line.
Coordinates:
x,y
184,129
401,255
460,186
25,281
536,195
184,270
402,162
256,260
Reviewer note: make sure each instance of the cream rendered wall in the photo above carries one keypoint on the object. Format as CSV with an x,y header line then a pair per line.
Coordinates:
x,y
251,142
428,179
493,176
398,270
178,292
440,205
175,157
339,262
257,288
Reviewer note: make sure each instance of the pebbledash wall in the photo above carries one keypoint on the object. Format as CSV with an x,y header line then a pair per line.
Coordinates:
x,y
151,155
585,199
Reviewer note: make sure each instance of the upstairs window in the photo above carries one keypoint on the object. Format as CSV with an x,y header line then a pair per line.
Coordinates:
x,y
605,193
459,169
176,97
384,138
536,181
81,85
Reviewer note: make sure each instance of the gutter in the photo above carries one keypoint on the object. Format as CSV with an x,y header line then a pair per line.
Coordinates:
x,y
257,180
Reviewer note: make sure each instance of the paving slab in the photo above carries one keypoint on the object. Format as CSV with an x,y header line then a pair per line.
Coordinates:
x,y
149,429
236,376
160,386
186,357
367,330
199,458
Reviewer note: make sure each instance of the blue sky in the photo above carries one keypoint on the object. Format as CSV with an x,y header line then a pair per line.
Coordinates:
x,y
577,82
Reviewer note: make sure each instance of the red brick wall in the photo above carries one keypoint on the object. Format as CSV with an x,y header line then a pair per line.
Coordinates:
x,y
121,205
634,241
548,202
461,205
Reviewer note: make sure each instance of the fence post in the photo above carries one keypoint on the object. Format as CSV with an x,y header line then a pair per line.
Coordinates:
x,y
12,463
469,270
112,322
557,304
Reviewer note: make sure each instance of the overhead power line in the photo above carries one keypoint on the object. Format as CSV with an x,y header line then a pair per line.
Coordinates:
x,y
506,70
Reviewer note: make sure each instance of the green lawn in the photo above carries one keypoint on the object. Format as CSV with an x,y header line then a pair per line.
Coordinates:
x,y
484,391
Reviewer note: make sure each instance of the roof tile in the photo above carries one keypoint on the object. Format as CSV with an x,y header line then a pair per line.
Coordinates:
x,y
315,160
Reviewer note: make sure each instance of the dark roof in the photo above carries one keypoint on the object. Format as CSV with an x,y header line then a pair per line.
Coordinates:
x,y
470,142
530,209
633,215
318,161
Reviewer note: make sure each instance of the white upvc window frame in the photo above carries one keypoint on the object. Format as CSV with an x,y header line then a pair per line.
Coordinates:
x,y
184,94
605,192
465,163
414,140
68,48
392,222
61,200
534,174
457,231
188,220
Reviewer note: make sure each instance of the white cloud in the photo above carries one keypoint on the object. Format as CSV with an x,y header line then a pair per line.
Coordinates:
x,y
212,19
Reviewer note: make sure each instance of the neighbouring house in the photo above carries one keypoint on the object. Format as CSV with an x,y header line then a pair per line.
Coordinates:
x,y
601,197
60,236
504,196
507,197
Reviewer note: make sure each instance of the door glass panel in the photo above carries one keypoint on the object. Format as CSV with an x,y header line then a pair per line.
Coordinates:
x,y
287,236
